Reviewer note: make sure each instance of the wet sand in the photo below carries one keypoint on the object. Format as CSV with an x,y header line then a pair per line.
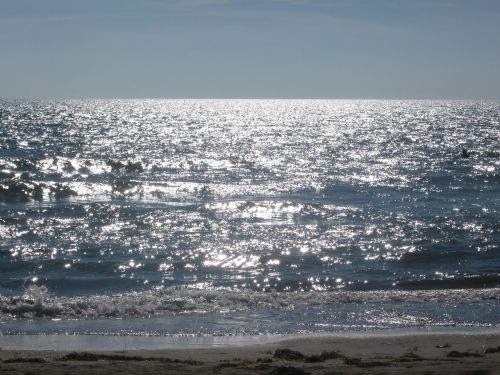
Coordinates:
x,y
423,353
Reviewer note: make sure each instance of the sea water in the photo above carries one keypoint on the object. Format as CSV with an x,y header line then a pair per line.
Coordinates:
x,y
224,217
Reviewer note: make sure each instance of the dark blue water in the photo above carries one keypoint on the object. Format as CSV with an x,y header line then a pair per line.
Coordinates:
x,y
133,209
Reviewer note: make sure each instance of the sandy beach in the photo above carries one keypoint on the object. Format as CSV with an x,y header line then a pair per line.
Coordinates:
x,y
420,353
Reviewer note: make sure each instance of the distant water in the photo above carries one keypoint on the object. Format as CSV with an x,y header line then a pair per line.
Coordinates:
x,y
247,216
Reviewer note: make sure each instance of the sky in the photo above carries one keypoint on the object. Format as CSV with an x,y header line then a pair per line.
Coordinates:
x,y
332,49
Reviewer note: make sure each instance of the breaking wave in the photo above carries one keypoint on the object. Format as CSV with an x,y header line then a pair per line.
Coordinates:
x,y
37,302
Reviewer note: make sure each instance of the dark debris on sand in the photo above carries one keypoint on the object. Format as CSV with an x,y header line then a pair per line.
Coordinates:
x,y
288,370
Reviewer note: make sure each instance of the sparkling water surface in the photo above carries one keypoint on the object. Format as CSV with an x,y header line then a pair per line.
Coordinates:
x,y
160,208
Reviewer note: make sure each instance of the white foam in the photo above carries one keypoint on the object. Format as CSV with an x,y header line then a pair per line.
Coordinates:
x,y
37,302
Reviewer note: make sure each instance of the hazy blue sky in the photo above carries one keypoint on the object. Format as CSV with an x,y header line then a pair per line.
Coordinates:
x,y
250,48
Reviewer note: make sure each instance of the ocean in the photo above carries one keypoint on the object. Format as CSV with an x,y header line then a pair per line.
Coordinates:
x,y
247,217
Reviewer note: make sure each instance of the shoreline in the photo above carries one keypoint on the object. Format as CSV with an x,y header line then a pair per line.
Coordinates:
x,y
454,351
113,342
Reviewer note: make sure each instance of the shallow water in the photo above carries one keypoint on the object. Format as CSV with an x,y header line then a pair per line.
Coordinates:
x,y
207,207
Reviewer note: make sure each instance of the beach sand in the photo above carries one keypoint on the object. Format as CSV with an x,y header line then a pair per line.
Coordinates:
x,y
431,353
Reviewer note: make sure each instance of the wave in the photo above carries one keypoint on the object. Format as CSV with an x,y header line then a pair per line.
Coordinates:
x,y
482,281
37,302
17,191
419,258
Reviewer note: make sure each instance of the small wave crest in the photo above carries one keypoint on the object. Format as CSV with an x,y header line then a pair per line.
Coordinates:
x,y
37,302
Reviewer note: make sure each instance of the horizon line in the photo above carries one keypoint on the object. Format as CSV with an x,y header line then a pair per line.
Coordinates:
x,y
251,98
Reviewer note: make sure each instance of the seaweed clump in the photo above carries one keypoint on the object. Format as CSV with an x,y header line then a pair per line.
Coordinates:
x,y
288,370
293,355
16,191
456,354
130,167
85,356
